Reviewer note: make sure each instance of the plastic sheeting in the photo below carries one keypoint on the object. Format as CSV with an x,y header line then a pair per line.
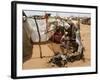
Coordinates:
x,y
32,32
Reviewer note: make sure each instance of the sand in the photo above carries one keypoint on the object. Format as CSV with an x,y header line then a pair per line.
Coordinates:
x,y
35,62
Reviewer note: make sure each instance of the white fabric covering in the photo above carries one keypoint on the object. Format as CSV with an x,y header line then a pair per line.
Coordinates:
x,y
32,32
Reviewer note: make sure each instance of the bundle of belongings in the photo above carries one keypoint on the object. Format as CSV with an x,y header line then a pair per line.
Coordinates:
x,y
61,59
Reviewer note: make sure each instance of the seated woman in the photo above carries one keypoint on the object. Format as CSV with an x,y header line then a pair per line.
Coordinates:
x,y
57,36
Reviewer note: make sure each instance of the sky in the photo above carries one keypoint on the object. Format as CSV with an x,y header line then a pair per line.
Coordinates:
x,y
62,14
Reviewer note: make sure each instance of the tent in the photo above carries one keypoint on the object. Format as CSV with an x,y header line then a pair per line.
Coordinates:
x,y
40,29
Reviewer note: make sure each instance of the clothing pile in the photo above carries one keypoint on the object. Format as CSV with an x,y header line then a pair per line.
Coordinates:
x,y
60,59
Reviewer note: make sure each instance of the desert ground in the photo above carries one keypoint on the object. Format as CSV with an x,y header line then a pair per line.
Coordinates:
x,y
35,62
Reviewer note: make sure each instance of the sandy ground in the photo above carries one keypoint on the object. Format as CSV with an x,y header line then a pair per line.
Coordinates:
x,y
47,52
